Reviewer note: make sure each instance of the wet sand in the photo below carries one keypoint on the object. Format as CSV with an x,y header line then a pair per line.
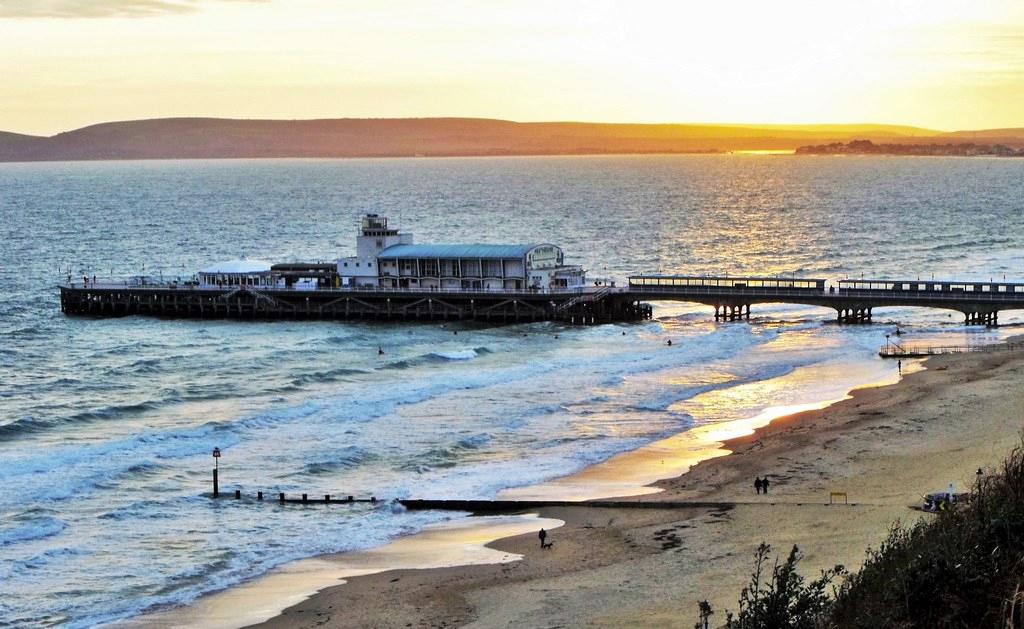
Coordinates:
x,y
884,448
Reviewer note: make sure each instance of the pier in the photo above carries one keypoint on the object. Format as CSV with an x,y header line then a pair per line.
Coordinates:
x,y
731,297
853,300
586,306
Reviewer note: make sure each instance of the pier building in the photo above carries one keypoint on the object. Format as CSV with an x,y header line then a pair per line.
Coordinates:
x,y
389,278
305,275
387,258
240,272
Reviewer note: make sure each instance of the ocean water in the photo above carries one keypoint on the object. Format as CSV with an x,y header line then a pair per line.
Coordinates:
x,y
106,425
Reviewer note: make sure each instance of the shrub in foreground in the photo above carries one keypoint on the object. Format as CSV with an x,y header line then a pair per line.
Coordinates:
x,y
965,568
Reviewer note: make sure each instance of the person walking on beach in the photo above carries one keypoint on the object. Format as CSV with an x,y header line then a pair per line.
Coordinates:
x,y
899,366
543,535
757,485
764,484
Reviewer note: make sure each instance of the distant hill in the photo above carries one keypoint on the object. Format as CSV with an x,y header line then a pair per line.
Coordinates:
x,y
1013,137
186,138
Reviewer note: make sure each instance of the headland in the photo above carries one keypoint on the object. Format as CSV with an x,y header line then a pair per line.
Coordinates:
x,y
227,138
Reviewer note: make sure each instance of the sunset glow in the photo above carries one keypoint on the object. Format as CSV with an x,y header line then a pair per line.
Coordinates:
x,y
936,64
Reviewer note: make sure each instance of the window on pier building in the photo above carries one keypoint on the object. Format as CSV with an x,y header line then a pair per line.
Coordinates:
x,y
492,268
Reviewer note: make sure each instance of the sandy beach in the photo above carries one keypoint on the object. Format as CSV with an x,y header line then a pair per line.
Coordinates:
x,y
884,447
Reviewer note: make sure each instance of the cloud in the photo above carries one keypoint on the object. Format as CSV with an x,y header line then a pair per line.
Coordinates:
x,y
99,8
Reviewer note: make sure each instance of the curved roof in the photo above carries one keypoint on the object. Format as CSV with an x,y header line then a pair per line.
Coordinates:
x,y
455,251
240,266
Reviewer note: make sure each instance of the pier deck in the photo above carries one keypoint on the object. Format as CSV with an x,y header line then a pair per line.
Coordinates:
x,y
979,307
582,306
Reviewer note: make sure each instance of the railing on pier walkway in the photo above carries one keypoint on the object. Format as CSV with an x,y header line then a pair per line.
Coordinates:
x,y
587,293
724,291
651,285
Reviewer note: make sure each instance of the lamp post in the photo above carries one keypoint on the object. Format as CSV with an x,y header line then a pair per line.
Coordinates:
x,y
216,469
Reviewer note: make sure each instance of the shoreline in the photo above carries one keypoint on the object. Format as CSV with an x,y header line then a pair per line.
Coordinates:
x,y
296,587
632,474
602,566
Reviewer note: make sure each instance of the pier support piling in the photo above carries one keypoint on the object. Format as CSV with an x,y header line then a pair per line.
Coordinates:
x,y
988,319
854,315
732,312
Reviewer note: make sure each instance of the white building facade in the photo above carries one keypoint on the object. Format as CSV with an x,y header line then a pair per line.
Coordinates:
x,y
385,258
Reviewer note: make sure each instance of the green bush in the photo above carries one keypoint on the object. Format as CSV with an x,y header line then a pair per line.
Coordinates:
x,y
783,599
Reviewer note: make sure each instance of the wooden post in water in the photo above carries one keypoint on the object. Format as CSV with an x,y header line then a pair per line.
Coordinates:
x,y
281,497
216,469
238,494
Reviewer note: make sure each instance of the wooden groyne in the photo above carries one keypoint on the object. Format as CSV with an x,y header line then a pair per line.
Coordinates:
x,y
306,498
511,506
507,506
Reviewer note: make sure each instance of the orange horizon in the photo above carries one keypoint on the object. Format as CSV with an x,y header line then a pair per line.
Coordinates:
x,y
938,64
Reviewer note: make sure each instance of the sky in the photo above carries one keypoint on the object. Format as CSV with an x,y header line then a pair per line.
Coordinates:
x,y
940,64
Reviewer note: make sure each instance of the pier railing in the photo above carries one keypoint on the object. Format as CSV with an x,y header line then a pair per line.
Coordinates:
x,y
586,292
867,295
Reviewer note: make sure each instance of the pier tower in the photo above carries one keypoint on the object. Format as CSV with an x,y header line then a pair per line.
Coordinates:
x,y
374,236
